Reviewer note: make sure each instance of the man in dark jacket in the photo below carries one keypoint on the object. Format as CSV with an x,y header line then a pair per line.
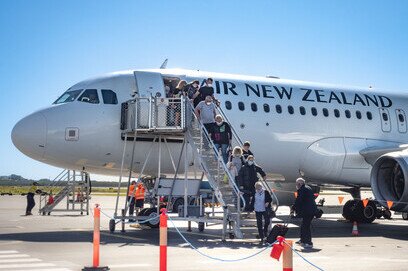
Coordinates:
x,y
305,207
221,136
248,176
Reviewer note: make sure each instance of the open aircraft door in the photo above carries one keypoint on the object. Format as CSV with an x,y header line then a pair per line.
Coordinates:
x,y
148,84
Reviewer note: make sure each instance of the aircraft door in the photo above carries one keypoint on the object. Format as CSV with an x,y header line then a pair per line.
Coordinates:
x,y
149,84
385,120
401,120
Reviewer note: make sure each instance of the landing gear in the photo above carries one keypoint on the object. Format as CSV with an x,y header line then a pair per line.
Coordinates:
x,y
405,216
201,226
354,211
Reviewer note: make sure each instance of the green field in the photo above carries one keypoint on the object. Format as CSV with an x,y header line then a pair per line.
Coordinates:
x,y
18,190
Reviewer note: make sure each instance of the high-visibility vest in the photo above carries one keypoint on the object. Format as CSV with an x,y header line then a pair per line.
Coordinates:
x,y
131,190
140,191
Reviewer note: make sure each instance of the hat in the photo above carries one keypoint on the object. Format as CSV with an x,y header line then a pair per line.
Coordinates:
x,y
247,143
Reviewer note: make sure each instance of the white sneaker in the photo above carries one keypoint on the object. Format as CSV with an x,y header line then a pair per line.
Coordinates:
x,y
310,245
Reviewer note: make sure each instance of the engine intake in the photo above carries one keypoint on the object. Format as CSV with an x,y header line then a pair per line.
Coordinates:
x,y
389,180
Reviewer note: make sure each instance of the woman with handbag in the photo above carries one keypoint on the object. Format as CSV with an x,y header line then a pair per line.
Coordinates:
x,y
261,204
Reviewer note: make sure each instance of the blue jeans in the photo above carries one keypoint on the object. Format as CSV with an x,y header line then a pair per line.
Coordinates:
x,y
224,151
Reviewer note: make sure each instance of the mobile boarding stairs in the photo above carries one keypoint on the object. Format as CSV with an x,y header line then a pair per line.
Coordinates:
x,y
173,118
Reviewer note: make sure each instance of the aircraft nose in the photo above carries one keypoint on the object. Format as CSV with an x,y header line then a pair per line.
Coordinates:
x,y
29,135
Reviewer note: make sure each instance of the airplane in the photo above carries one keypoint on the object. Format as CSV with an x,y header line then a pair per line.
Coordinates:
x,y
327,134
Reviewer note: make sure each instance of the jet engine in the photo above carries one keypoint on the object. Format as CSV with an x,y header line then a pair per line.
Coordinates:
x,y
389,180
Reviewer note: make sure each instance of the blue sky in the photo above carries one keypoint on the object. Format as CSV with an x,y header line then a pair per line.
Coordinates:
x,y
47,46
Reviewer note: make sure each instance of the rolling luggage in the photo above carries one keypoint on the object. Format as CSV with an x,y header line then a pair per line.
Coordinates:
x,y
277,230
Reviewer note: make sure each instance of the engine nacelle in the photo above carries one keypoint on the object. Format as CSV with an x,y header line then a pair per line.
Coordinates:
x,y
389,180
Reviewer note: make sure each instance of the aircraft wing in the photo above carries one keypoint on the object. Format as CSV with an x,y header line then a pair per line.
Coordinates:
x,y
371,154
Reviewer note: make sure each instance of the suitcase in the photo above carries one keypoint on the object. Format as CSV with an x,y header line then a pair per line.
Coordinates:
x,y
277,230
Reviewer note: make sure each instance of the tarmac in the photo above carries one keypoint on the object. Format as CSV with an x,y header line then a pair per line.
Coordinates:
x,y
63,241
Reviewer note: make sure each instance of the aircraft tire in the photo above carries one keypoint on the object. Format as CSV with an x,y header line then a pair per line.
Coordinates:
x,y
369,212
387,214
151,212
112,225
354,211
405,216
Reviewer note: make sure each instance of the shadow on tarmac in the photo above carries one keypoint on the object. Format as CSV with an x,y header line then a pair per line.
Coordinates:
x,y
210,238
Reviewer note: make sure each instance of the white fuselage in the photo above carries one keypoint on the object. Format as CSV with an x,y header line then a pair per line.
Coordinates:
x,y
325,149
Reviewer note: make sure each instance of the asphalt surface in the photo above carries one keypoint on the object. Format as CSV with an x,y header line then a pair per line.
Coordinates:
x,y
63,241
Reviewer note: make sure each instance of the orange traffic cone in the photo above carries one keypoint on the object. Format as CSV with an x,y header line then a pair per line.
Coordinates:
x,y
354,232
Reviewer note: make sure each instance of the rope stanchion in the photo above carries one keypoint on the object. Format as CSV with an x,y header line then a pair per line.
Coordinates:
x,y
96,242
163,240
287,261
303,258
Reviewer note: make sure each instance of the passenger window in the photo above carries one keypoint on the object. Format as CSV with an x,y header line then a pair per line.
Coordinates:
x,y
401,117
325,112
241,106
385,116
358,114
254,107
109,97
369,116
68,96
228,105
278,109
348,114
314,111
336,113
266,108
291,110
89,96
302,110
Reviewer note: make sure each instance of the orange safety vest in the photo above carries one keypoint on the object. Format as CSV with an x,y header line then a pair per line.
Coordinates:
x,y
140,191
131,190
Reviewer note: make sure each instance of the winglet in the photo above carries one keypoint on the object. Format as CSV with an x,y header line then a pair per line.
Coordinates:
x,y
164,65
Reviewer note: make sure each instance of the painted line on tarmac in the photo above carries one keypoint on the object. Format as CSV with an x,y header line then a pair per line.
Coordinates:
x,y
5,256
17,260
45,269
8,251
129,265
26,265
122,236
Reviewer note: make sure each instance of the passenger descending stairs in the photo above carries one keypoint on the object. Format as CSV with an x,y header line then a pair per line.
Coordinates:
x,y
227,192
73,186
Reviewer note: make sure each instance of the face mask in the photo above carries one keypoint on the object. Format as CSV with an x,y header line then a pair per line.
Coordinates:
x,y
195,85
209,85
208,103
219,123
250,163
237,155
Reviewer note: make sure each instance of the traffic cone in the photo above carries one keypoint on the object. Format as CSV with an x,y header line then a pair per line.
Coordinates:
x,y
354,232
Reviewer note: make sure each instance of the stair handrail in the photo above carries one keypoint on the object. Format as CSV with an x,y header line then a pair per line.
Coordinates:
x,y
224,166
55,182
238,139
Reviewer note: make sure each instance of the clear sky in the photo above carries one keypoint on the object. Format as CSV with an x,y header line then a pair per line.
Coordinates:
x,y
47,46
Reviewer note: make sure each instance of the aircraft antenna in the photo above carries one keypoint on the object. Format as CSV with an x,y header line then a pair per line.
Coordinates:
x,y
164,65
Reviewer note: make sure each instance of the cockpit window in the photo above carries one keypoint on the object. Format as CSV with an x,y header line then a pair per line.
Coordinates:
x,y
89,96
109,97
68,96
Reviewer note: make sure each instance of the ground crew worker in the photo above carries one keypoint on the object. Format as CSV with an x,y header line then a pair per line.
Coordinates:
x,y
305,207
140,192
30,198
131,197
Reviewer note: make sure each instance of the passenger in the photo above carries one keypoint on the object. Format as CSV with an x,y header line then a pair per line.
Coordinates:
x,y
246,151
178,92
140,195
180,89
30,198
236,158
305,207
207,90
131,197
261,204
248,176
206,113
221,136
192,92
